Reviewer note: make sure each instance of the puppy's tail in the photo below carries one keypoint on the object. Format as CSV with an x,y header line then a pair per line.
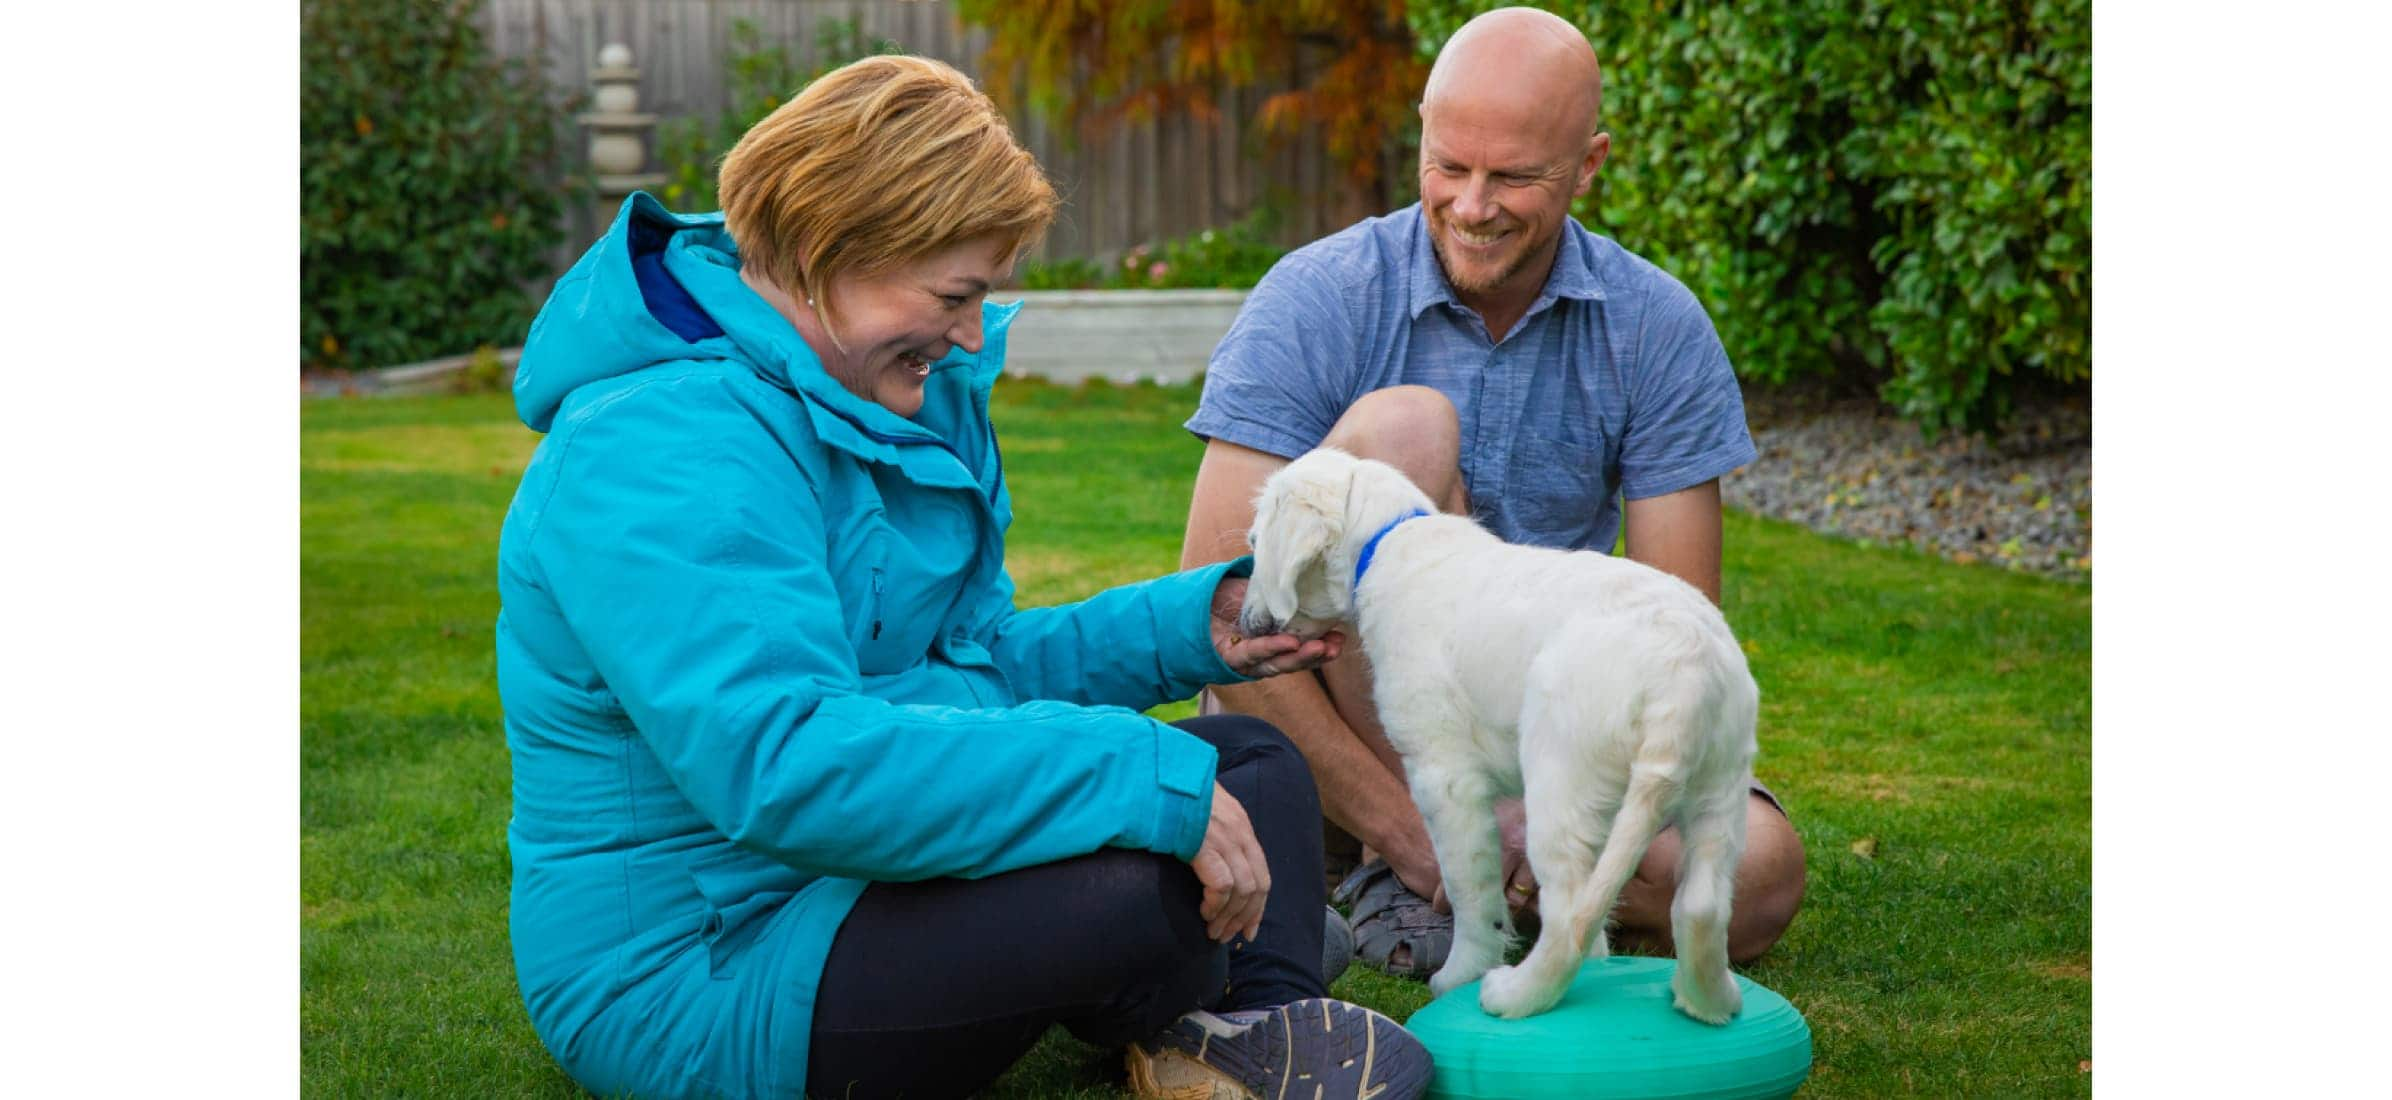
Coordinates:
x,y
1573,923
1653,788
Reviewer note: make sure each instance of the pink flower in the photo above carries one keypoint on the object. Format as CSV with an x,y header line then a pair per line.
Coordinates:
x,y
1155,273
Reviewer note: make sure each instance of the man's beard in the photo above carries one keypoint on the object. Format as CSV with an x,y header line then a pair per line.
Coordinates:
x,y
1461,285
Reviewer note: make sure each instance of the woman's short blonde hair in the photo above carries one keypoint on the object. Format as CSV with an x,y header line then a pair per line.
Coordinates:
x,y
876,164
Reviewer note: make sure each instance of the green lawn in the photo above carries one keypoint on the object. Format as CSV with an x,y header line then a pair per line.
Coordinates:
x,y
1936,717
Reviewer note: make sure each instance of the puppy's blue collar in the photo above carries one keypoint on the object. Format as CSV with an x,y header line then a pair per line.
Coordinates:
x,y
1371,548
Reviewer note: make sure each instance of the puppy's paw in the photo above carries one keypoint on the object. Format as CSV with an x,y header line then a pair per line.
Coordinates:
x,y
1509,993
1460,969
1714,1000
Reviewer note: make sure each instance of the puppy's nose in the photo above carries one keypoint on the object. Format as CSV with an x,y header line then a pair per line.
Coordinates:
x,y
1255,624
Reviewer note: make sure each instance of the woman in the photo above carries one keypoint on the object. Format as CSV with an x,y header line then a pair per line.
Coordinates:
x,y
802,804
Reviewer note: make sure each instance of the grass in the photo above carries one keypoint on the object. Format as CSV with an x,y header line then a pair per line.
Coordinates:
x,y
1927,723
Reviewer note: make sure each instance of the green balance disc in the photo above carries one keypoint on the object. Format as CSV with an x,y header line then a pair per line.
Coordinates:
x,y
1615,1035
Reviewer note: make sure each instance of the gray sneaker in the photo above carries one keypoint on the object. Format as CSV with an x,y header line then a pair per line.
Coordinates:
x,y
1312,1048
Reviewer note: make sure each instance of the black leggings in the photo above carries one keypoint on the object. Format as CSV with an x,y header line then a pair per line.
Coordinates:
x,y
934,988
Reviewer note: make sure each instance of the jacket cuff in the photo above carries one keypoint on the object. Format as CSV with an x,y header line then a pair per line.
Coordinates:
x,y
1186,646
1185,765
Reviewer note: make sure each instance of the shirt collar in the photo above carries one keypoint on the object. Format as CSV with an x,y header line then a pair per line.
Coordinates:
x,y
1571,276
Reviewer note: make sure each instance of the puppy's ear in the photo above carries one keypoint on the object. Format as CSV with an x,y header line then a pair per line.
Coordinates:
x,y
1290,536
1366,498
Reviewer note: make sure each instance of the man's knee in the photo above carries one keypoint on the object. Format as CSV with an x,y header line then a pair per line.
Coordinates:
x,y
1769,888
1413,428
1770,884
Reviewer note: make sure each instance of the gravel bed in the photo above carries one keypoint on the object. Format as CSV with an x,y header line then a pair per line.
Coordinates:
x,y
1841,466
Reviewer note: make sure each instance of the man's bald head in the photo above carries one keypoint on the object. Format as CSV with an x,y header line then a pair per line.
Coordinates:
x,y
1521,56
1507,142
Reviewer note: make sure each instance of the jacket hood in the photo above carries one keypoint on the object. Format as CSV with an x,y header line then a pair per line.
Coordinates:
x,y
661,287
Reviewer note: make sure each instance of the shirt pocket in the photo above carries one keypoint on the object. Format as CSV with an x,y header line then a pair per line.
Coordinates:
x,y
1557,492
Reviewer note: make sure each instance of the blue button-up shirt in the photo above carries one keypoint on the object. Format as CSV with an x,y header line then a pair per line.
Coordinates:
x,y
1614,384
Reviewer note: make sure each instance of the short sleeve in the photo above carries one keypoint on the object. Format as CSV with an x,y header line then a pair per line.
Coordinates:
x,y
1282,376
1685,411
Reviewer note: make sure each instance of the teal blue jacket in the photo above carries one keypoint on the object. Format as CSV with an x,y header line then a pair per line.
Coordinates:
x,y
757,648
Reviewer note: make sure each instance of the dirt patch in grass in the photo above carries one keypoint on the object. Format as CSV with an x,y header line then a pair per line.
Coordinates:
x,y
1897,789
2079,968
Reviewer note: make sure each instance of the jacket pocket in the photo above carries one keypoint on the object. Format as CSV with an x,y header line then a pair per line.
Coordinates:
x,y
743,891
872,628
876,605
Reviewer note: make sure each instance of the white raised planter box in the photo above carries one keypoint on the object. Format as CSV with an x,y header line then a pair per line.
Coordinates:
x,y
1117,335
1060,335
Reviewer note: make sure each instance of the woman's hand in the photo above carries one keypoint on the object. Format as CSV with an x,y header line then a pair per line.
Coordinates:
x,y
1271,654
1231,867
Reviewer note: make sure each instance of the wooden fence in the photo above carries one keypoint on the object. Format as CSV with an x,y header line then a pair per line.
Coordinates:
x,y
1142,181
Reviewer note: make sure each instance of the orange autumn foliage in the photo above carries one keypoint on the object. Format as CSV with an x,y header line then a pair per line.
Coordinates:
x,y
1095,63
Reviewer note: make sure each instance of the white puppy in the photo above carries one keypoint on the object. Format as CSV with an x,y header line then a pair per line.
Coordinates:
x,y
1610,695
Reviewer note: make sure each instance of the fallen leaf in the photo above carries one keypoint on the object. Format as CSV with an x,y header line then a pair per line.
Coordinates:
x,y
1865,847
2085,1066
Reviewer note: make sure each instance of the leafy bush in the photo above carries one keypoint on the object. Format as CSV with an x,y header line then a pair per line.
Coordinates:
x,y
761,77
429,183
1895,189
1234,256
1069,273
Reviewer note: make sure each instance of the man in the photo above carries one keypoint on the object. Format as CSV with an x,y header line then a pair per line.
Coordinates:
x,y
1521,370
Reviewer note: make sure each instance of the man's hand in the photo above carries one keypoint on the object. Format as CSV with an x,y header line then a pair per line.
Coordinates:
x,y
1519,882
1230,865
1271,654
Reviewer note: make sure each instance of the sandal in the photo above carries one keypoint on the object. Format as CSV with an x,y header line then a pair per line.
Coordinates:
x,y
1337,945
1396,931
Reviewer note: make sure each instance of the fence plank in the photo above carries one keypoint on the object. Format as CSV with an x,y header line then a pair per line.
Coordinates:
x,y
1141,182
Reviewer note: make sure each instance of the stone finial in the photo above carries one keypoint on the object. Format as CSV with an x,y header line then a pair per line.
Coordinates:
x,y
618,128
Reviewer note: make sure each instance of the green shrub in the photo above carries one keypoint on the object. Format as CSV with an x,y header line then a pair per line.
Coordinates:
x,y
761,77
1899,190
1069,273
429,183
1234,256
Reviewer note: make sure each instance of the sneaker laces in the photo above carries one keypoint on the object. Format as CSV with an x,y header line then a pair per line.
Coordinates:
x,y
1225,1024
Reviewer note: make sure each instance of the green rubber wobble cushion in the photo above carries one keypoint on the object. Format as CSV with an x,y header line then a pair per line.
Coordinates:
x,y
1615,1036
